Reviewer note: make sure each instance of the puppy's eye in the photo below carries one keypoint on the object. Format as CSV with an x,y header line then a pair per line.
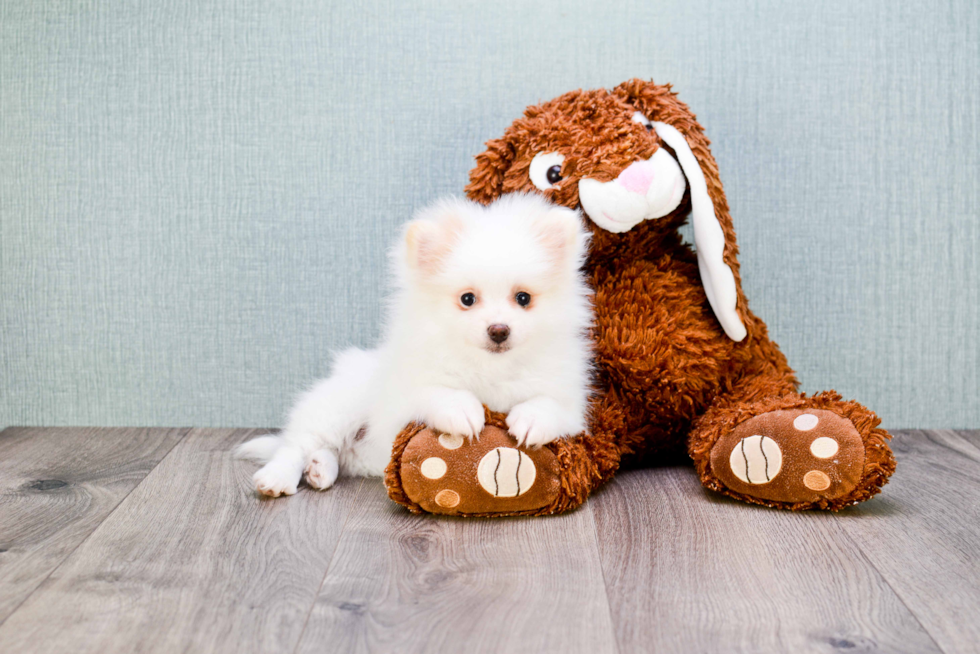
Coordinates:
x,y
545,169
643,120
523,299
467,299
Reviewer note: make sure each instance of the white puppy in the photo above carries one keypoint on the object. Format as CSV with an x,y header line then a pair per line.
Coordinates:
x,y
489,307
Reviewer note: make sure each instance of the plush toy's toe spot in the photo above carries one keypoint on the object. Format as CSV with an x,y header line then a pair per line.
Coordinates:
x,y
806,422
506,472
451,441
793,456
433,468
824,448
490,475
447,499
816,480
756,460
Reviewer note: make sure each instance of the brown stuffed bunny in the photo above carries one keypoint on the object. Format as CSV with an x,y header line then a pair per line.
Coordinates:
x,y
682,362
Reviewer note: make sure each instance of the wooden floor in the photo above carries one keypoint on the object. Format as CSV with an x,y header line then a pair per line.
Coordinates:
x,y
151,540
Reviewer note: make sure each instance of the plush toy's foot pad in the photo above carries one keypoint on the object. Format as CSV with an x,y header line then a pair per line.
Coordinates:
x,y
443,473
794,456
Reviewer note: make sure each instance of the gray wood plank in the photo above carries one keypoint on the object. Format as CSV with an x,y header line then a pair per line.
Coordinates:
x,y
923,534
56,486
192,560
404,583
691,571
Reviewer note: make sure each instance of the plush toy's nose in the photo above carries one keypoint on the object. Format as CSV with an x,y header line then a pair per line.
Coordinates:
x,y
498,333
637,177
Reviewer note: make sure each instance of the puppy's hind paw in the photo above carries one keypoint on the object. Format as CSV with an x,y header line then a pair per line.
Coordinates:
x,y
322,470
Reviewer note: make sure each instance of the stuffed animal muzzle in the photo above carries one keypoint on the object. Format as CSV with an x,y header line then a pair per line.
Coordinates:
x,y
645,190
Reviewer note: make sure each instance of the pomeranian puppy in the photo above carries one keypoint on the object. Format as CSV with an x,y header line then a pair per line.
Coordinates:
x,y
489,307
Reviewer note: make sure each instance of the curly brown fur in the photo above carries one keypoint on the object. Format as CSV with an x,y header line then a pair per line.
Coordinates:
x,y
392,478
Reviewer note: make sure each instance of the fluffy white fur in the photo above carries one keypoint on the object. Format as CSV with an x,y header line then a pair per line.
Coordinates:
x,y
438,363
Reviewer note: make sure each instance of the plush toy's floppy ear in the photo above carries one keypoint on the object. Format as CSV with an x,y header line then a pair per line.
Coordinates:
x,y
487,176
714,235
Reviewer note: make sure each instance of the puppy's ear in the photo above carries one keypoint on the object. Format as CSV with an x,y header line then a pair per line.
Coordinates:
x,y
487,177
563,235
429,238
714,235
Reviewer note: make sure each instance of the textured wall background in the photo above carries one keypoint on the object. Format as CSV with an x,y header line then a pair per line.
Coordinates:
x,y
195,196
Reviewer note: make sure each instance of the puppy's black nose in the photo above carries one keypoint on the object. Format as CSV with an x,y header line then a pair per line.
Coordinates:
x,y
498,333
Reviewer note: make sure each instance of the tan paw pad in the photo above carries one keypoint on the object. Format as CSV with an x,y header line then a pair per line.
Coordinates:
x,y
756,459
805,422
447,499
433,468
506,472
816,480
451,441
824,448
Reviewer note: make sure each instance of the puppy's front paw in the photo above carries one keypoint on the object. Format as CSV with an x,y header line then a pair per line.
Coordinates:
x,y
273,481
456,412
539,421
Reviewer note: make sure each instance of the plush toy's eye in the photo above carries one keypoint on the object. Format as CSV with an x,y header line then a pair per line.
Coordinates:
x,y
643,120
523,299
467,299
546,169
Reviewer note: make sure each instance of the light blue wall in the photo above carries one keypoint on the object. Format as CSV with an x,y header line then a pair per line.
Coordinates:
x,y
195,197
